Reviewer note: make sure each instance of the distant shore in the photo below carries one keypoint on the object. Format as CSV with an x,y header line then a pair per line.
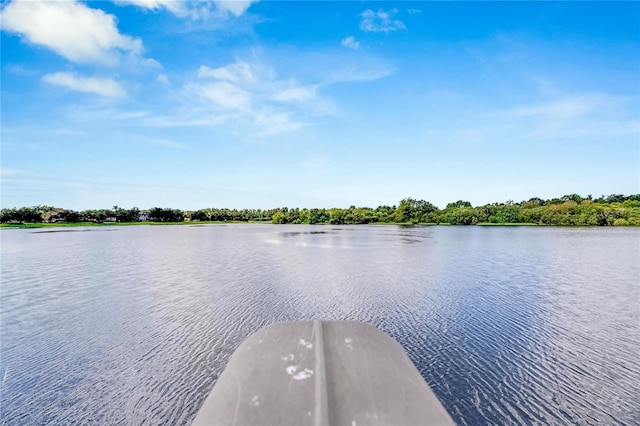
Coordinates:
x,y
568,210
236,222
103,224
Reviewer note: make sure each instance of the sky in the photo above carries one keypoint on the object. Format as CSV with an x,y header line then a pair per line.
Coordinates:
x,y
246,104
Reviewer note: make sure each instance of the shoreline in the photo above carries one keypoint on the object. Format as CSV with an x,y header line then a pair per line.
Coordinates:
x,y
234,222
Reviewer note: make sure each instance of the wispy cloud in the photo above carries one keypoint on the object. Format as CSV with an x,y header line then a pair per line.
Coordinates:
x,y
177,7
253,95
350,42
71,29
414,11
295,94
236,7
247,97
8,172
162,78
197,10
562,108
239,72
101,86
268,121
353,73
21,70
380,21
250,97
223,94
578,115
102,110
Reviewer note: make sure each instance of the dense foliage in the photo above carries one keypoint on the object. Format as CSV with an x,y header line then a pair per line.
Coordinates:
x,y
616,209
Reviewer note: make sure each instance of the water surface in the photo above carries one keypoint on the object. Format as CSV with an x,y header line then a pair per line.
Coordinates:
x,y
133,325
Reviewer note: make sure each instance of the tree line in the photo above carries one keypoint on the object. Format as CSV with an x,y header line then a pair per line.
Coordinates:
x,y
613,210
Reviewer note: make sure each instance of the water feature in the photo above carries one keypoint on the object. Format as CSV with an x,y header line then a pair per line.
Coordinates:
x,y
132,325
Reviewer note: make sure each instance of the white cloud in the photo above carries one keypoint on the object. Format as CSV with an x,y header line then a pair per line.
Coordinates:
x,y
252,95
353,73
224,94
171,5
250,83
578,115
179,8
71,29
351,43
162,78
236,7
250,98
100,86
198,9
239,72
270,122
295,94
380,21
413,11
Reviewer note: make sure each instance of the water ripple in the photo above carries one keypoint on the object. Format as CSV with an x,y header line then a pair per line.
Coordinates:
x,y
535,325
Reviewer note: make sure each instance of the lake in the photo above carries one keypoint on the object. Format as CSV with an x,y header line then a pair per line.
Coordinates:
x,y
133,325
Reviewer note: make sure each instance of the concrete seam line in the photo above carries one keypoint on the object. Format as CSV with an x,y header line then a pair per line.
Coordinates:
x,y
321,417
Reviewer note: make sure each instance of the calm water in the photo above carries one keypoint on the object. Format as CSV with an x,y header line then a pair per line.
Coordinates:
x,y
132,325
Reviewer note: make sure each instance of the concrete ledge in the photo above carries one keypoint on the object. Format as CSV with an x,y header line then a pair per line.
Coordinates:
x,y
321,373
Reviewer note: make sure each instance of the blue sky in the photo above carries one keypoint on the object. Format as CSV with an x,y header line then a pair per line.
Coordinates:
x,y
239,104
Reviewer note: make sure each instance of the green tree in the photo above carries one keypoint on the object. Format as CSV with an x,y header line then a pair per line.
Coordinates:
x,y
413,211
573,197
337,216
459,204
279,218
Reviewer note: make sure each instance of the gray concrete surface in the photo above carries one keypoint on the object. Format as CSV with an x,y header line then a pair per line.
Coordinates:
x,y
321,373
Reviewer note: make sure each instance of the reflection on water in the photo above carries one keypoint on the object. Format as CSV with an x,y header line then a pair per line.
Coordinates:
x,y
52,231
508,325
297,234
